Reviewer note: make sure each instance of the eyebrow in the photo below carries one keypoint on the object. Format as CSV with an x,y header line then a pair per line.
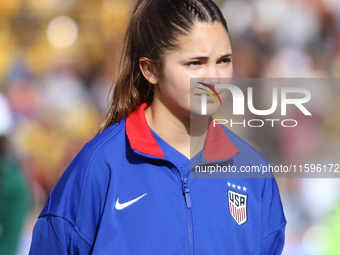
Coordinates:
x,y
227,55
205,58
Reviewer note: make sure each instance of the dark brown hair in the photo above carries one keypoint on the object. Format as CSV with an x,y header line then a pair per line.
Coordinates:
x,y
153,30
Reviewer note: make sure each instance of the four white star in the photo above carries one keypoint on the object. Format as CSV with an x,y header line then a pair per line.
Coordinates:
x,y
238,186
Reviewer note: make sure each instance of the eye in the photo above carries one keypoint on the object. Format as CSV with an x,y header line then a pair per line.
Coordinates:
x,y
194,63
226,60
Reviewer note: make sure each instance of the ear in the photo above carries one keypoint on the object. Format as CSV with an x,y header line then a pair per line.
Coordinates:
x,y
148,70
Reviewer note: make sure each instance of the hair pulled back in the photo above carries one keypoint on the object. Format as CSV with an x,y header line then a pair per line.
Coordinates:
x,y
153,30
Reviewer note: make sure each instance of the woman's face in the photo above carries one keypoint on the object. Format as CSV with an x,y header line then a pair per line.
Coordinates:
x,y
204,54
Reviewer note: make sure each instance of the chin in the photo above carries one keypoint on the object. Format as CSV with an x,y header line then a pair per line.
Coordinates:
x,y
212,108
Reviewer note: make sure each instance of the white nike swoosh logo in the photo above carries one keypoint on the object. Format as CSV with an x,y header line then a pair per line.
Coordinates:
x,y
122,206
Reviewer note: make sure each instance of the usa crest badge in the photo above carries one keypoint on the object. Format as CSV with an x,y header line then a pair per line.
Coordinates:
x,y
238,206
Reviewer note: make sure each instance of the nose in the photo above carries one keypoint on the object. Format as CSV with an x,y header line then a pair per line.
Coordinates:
x,y
211,75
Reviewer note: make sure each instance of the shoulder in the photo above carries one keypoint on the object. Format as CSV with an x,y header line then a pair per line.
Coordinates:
x,y
92,156
86,180
102,146
110,136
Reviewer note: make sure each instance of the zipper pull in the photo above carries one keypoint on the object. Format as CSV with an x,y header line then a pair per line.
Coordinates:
x,y
186,192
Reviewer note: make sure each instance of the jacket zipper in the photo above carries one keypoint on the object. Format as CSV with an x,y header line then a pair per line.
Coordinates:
x,y
189,213
186,194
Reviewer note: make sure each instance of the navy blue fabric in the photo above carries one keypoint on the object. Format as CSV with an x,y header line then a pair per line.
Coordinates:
x,y
80,216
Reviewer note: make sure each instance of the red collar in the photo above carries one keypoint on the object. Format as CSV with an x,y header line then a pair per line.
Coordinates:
x,y
217,145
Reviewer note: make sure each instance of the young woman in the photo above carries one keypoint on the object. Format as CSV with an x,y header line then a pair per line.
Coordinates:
x,y
129,191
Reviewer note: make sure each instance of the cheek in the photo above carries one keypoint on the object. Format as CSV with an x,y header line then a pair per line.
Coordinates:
x,y
178,82
227,71
231,68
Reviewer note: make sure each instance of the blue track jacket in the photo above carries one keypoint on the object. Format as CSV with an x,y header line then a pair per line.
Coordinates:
x,y
129,192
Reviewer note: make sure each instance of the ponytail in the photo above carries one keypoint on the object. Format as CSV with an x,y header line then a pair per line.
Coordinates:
x,y
153,30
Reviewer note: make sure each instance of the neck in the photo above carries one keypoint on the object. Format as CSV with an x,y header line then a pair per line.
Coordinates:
x,y
175,129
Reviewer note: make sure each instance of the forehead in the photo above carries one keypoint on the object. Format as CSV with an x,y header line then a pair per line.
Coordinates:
x,y
205,38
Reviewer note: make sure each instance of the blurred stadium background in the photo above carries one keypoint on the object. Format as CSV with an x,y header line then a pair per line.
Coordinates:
x,y
57,64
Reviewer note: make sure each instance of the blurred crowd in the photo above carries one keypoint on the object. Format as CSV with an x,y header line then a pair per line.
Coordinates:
x,y
58,62
296,39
